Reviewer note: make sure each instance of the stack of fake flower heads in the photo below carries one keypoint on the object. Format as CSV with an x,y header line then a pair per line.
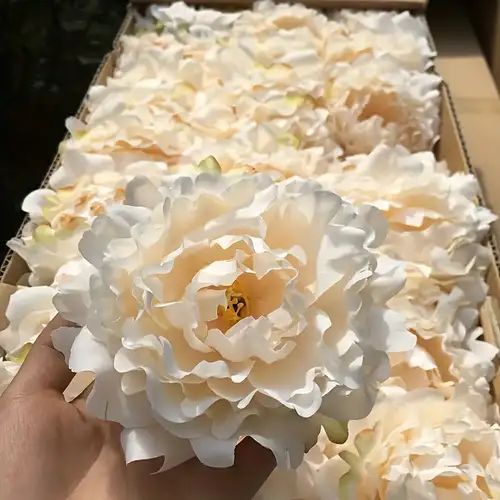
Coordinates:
x,y
255,240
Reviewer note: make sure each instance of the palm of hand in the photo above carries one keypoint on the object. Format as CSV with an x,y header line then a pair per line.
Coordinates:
x,y
53,439
51,449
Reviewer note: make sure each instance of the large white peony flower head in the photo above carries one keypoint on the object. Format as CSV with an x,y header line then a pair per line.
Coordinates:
x,y
378,33
374,100
218,307
435,220
413,446
449,354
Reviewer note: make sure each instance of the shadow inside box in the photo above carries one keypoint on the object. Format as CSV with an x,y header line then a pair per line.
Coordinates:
x,y
451,28
49,52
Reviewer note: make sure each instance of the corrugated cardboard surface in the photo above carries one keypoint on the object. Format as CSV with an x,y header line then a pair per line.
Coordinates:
x,y
485,17
462,65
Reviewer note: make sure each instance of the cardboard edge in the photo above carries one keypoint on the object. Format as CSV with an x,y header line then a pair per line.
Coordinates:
x,y
13,266
458,156
125,26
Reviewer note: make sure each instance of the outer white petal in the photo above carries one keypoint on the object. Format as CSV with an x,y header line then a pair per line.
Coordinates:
x,y
29,310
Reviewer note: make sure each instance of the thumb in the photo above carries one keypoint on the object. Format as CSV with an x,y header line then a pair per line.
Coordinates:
x,y
44,367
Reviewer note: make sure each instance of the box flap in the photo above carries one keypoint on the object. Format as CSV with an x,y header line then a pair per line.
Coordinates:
x,y
461,63
323,4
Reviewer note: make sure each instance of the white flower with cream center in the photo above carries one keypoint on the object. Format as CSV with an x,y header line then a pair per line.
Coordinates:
x,y
378,33
435,221
374,100
412,446
78,191
224,307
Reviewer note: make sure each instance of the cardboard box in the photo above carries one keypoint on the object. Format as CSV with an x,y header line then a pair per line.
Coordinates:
x,y
454,63
485,17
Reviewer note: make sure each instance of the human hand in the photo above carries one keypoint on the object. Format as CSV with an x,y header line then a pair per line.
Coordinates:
x,y
51,449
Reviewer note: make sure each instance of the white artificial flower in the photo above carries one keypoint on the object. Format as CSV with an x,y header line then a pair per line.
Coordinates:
x,y
413,446
448,354
44,251
83,187
374,100
378,33
265,84
182,20
220,307
29,311
283,17
164,100
380,21
435,221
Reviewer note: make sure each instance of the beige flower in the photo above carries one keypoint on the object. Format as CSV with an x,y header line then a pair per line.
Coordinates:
x,y
448,354
83,188
378,33
29,310
374,100
206,318
434,218
413,446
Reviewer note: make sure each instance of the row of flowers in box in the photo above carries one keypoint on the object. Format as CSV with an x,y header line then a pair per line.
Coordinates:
x,y
253,235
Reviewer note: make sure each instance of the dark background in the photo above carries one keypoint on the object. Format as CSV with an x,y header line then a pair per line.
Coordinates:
x,y
49,51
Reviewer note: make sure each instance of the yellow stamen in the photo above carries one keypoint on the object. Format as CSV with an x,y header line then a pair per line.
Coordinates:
x,y
183,89
288,139
295,100
238,306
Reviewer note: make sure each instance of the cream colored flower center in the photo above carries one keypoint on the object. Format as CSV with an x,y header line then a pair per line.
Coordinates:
x,y
238,305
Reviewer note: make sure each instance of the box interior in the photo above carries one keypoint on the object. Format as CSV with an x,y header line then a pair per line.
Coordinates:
x,y
451,148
